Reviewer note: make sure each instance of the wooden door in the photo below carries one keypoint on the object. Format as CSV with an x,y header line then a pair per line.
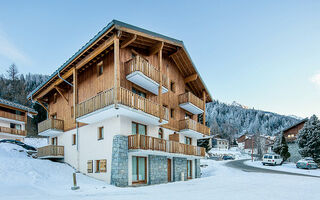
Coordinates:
x,y
169,170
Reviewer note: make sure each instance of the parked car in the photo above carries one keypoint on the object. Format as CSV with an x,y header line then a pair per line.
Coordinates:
x,y
214,158
23,145
271,159
306,163
227,158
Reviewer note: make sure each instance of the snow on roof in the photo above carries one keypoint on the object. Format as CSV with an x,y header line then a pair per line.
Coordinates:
x,y
17,105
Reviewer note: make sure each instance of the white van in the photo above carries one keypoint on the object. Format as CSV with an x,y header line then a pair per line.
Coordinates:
x,y
271,159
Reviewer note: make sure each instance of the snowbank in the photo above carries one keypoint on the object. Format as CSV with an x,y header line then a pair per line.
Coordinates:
x,y
36,142
286,167
234,152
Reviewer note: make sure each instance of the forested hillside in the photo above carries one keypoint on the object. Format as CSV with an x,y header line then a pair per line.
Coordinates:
x,y
233,120
15,87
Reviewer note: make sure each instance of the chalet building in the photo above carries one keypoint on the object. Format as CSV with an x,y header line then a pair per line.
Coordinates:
x,y
13,120
254,144
291,134
220,144
126,108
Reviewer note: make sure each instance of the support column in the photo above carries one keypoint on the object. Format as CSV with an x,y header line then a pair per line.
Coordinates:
x,y
116,70
204,106
160,83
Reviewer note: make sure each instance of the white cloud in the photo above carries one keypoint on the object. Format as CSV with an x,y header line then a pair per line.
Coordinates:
x,y
10,51
316,79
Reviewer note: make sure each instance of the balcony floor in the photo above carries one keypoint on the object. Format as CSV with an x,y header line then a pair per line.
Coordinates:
x,y
110,111
143,152
51,132
191,133
191,108
145,82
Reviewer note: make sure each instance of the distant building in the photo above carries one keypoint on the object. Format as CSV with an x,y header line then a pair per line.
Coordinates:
x,y
221,144
253,142
13,120
291,134
241,141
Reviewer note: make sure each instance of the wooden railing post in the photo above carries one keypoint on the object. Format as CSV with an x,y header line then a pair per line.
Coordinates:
x,y
116,68
160,83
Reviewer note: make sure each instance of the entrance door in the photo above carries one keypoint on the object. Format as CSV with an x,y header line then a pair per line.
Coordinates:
x,y
139,169
169,170
189,169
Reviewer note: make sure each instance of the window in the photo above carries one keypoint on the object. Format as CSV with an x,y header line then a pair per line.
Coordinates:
x,y
160,133
90,166
138,92
139,129
173,86
100,68
72,111
100,133
101,166
97,166
188,116
74,139
188,140
54,141
189,169
139,169
172,113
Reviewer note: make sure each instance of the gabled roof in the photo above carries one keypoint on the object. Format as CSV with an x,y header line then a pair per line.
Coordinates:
x,y
296,124
17,106
121,25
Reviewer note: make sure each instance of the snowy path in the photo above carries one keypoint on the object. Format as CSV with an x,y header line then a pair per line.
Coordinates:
x,y
25,178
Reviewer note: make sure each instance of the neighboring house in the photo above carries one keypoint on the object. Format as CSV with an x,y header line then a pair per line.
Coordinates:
x,y
13,120
253,142
221,144
124,109
241,141
291,134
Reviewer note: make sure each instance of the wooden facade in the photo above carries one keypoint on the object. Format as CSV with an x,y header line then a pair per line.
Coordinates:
x,y
98,77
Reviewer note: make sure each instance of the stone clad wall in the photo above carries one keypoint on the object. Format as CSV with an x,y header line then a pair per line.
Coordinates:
x,y
179,165
119,165
158,169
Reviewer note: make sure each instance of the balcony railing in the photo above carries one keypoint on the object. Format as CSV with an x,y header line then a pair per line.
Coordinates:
x,y
188,97
55,124
12,131
8,115
193,125
156,144
50,151
140,64
124,97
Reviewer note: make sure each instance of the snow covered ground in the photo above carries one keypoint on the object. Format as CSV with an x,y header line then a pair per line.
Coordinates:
x,y
22,177
287,167
232,152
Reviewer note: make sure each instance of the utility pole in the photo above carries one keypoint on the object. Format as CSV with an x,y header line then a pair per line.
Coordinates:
x,y
251,149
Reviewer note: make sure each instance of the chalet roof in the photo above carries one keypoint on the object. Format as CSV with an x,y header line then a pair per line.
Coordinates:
x,y
16,105
296,124
117,24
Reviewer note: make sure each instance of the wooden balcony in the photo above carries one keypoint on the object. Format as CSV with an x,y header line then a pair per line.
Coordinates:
x,y
51,127
12,131
193,128
12,116
142,142
51,151
142,73
191,103
101,107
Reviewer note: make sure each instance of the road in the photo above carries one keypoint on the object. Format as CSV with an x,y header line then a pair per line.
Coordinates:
x,y
239,164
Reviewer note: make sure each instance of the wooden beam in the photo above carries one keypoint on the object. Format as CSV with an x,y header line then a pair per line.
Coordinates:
x,y
96,52
204,96
41,104
190,78
160,82
156,48
60,92
75,92
128,41
116,70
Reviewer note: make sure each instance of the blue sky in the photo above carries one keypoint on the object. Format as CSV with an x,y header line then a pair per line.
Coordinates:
x,y
262,54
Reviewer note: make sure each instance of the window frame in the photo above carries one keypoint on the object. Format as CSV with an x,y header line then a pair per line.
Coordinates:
x,y
89,162
74,139
137,128
101,133
97,166
99,68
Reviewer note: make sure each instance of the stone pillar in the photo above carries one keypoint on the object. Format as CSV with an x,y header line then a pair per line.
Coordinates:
x,y
119,164
179,165
158,169
197,168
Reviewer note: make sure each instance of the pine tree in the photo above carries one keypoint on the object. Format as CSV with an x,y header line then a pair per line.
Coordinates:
x,y
281,147
309,139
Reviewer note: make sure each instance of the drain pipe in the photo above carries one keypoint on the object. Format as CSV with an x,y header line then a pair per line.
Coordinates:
x,y
64,79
